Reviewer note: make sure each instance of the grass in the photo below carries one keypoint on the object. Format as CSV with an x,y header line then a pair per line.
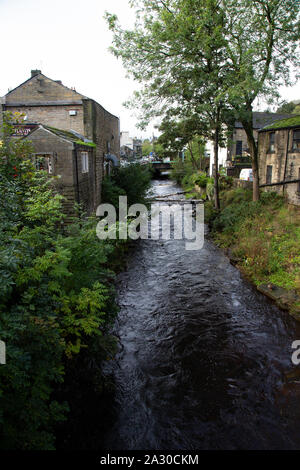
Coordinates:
x,y
264,236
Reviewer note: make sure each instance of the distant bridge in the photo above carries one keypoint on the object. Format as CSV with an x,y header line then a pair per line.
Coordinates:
x,y
159,166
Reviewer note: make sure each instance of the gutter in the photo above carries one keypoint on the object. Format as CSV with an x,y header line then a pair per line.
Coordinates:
x,y
286,156
76,175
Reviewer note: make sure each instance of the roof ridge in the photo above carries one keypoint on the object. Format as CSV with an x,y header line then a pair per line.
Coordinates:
x,y
51,79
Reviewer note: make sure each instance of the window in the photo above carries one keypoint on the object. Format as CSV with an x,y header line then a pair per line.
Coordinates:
x,y
296,140
239,147
43,162
84,162
269,174
272,142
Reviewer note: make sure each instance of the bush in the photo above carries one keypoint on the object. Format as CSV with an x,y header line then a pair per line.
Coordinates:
x,y
263,235
181,169
56,300
133,181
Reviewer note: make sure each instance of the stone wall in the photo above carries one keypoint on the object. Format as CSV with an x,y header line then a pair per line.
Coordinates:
x,y
104,130
239,134
237,183
38,89
284,161
71,182
86,194
53,115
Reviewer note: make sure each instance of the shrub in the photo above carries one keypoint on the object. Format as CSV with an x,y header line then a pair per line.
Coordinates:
x,y
264,235
133,181
56,300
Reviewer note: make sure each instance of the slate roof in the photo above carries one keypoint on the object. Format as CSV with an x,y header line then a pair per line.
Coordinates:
x,y
293,121
73,137
261,119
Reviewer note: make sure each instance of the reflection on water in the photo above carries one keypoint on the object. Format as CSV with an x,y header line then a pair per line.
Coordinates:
x,y
202,355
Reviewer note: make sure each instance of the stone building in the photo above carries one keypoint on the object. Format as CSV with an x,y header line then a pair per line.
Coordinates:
x,y
50,103
279,158
71,158
130,147
236,153
239,144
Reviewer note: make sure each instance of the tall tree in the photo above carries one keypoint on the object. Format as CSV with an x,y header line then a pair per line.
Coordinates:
x,y
262,48
176,50
203,57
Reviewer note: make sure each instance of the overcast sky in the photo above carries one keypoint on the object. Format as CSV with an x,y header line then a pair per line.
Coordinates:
x,y
68,40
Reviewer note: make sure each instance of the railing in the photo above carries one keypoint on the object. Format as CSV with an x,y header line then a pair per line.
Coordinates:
x,y
279,183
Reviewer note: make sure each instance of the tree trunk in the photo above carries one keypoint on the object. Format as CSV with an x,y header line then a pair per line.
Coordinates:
x,y
216,163
248,126
216,172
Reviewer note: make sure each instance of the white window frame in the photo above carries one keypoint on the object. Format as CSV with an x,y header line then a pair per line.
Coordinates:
x,y
84,162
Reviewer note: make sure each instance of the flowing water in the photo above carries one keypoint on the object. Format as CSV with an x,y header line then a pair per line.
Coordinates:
x,y
202,356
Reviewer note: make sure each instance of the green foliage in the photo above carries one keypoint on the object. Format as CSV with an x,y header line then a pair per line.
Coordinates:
x,y
292,121
181,169
56,298
201,179
289,108
184,173
208,61
263,235
147,147
86,144
132,181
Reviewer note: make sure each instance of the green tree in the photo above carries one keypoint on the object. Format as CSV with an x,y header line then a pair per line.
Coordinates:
x,y
289,108
261,53
56,299
147,147
209,57
177,135
178,46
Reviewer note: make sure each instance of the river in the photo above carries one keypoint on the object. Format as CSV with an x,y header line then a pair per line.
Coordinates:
x,y
202,356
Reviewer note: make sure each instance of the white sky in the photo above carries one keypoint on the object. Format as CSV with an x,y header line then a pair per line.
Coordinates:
x,y
68,40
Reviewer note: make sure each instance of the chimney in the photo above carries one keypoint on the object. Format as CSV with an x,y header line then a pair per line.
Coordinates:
x,y
35,72
59,81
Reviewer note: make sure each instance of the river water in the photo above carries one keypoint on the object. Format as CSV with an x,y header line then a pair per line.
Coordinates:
x,y
202,357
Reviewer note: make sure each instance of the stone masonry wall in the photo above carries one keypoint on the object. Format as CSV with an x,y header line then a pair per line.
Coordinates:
x,y
104,129
55,116
72,183
279,160
239,134
39,89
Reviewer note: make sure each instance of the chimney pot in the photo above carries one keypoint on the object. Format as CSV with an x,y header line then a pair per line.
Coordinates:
x,y
35,72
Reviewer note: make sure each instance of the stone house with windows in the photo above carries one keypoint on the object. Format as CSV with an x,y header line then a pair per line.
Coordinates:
x,y
59,108
130,147
71,158
239,144
279,158
236,154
